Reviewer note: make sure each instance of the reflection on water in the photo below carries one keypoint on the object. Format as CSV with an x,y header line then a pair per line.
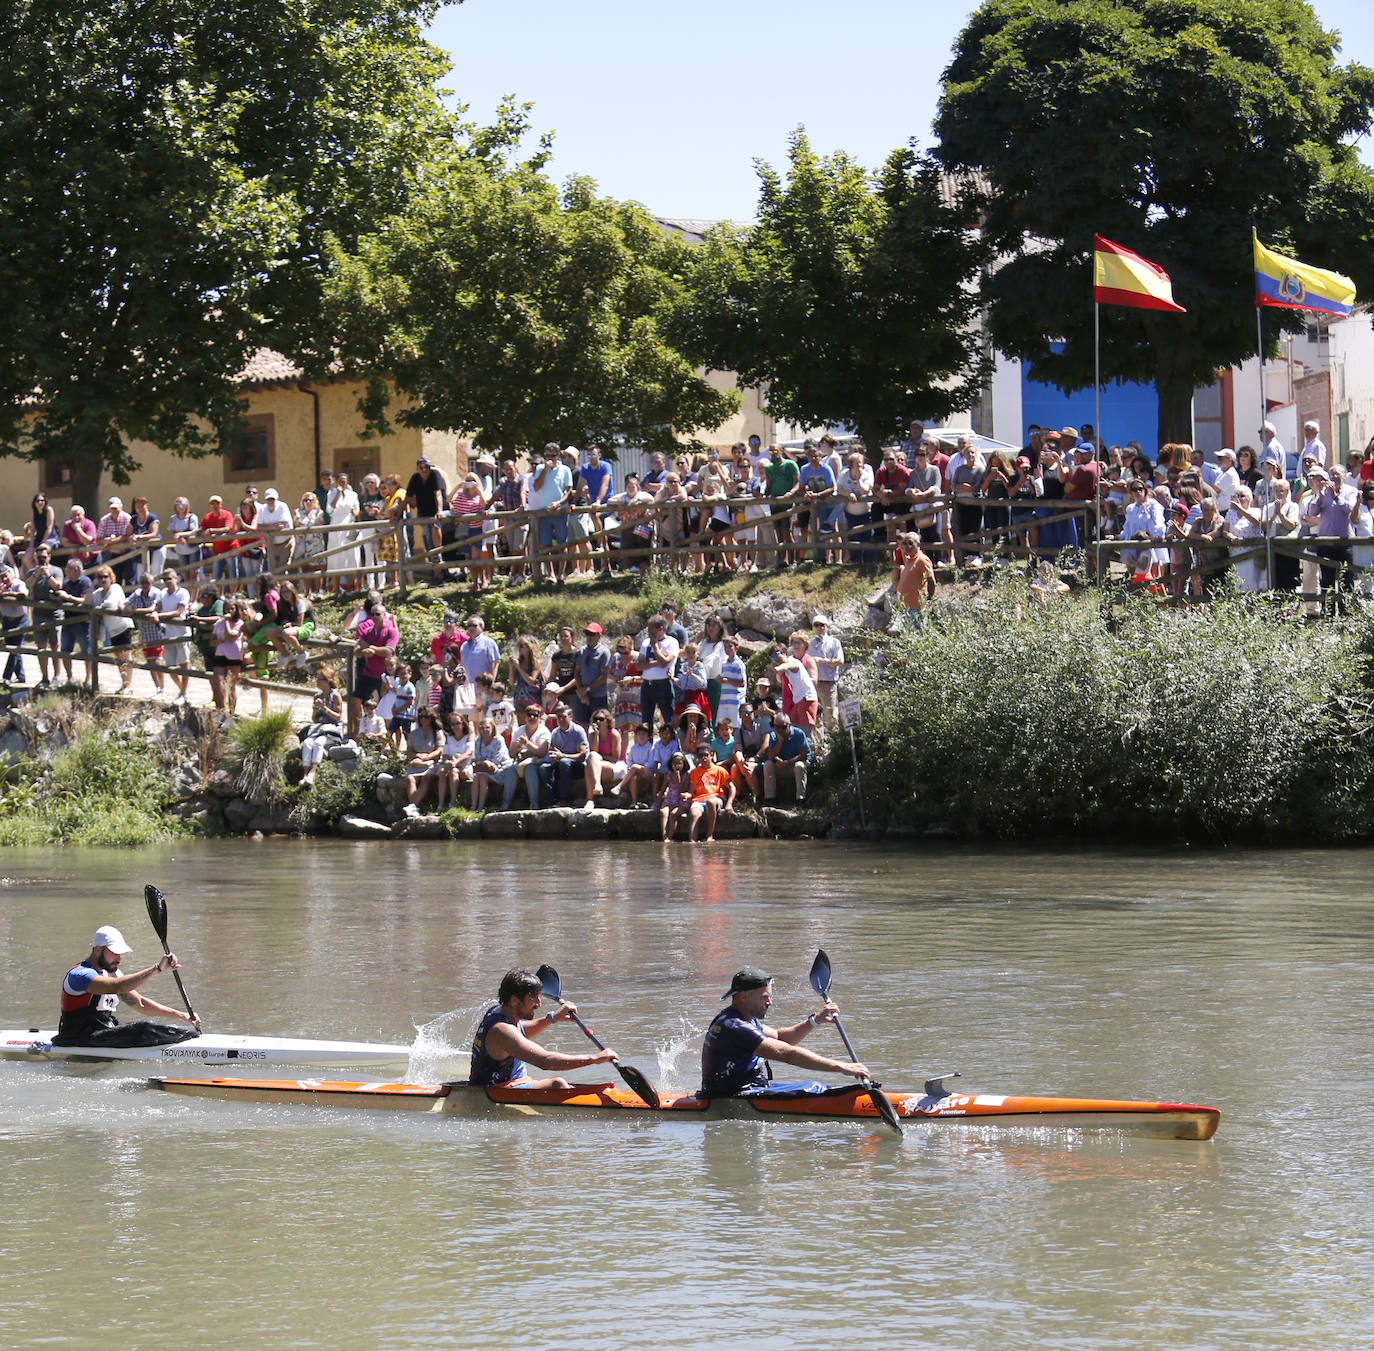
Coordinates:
x,y
1238,979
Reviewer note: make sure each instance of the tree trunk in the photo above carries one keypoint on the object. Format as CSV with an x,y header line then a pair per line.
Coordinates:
x,y
1174,389
88,467
871,433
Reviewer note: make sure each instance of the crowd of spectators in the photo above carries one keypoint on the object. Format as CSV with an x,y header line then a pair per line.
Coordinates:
x,y
669,724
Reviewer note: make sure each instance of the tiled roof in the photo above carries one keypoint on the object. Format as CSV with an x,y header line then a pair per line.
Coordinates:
x,y
691,228
266,367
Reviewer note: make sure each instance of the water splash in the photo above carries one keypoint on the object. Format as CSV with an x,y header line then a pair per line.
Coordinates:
x,y
679,1059
440,1049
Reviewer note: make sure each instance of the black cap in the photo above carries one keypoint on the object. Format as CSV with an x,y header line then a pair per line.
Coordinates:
x,y
747,978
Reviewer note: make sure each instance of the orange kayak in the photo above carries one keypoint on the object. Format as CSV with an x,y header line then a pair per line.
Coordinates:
x,y
1183,1121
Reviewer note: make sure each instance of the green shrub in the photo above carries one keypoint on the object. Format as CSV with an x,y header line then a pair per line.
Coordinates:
x,y
102,789
1008,719
256,754
336,794
657,587
503,615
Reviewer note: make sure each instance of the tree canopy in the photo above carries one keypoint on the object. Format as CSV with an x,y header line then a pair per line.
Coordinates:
x,y
852,298
498,304
169,172
1171,127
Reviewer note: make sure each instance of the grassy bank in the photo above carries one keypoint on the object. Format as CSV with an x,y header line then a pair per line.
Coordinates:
x,y
103,788
1115,720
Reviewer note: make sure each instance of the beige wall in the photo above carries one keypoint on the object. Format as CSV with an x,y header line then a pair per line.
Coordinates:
x,y
287,415
751,419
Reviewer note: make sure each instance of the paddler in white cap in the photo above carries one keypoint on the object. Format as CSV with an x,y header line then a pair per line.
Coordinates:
x,y
92,987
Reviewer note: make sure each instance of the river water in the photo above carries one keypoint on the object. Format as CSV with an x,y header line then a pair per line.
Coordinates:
x,y
1242,980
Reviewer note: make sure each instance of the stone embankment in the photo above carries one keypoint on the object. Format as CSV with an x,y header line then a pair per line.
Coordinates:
x,y
207,794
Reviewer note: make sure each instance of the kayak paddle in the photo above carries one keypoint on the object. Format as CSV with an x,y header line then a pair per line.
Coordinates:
x,y
548,978
820,982
157,912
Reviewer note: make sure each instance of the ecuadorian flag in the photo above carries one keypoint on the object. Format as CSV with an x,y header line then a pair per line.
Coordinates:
x,y
1286,284
1121,277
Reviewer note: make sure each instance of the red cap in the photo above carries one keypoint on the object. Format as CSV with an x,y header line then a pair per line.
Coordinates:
x,y
593,627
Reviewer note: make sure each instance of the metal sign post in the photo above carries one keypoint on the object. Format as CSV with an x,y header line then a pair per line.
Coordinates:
x,y
850,717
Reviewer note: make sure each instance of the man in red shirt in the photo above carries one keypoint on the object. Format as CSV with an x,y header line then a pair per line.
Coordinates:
x,y
889,488
712,790
1080,484
216,524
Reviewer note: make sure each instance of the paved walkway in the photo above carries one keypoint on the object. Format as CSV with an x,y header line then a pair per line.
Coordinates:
x,y
198,691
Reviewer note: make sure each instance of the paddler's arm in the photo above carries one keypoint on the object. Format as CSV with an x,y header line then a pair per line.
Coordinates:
x,y
770,1048
503,1040
793,1035
145,1005
124,986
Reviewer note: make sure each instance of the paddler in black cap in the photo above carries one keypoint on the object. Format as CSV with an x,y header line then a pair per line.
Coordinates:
x,y
739,1045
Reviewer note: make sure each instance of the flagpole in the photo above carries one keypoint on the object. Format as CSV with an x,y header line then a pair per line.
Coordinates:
x,y
1263,402
1097,373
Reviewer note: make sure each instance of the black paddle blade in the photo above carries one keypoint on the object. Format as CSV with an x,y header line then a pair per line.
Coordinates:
x,y
885,1108
157,911
548,980
820,974
642,1087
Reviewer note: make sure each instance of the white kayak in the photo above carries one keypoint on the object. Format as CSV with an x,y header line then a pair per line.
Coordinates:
x,y
209,1048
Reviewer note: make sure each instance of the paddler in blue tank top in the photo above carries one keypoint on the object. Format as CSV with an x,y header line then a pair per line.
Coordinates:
x,y
739,1045
504,1040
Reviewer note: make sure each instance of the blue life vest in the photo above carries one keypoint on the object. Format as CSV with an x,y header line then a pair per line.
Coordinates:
x,y
482,1068
728,1063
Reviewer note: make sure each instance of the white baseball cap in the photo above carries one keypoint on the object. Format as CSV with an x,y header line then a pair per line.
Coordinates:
x,y
107,936
270,494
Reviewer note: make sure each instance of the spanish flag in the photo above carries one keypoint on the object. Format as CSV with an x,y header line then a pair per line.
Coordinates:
x,y
1286,284
1121,277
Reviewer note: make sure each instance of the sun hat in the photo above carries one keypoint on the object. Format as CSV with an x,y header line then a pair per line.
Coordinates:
x,y
747,978
107,936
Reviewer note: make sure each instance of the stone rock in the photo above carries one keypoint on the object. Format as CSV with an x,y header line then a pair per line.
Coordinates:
x,y
774,616
360,828
186,782
273,820
238,812
550,824
343,753
504,825
419,828
793,825
736,826
634,825
592,825
753,639
208,820
221,784
391,790
466,828
14,745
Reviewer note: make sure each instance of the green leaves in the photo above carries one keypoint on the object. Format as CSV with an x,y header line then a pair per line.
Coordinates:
x,y
847,299
499,305
168,175
1172,127
1005,719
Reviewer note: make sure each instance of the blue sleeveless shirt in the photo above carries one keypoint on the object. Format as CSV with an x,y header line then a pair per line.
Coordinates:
x,y
482,1068
728,1063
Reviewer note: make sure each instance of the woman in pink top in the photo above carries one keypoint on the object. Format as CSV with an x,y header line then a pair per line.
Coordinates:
x,y
605,763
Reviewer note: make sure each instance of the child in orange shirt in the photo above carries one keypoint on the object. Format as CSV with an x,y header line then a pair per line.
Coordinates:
x,y
710,784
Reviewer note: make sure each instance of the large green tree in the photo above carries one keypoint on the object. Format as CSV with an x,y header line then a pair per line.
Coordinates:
x,y
169,172
501,305
852,297
1171,127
